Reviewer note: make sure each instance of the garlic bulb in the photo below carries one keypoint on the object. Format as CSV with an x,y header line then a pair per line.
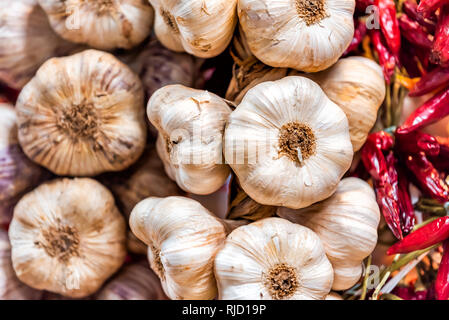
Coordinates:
x,y
183,238
299,34
105,24
273,259
191,125
134,282
82,115
134,245
357,86
288,144
67,237
10,287
26,41
346,224
333,296
201,28
18,174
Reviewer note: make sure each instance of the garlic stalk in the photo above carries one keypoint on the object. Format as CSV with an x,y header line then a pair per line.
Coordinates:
x,y
288,144
101,24
201,28
82,115
67,237
273,259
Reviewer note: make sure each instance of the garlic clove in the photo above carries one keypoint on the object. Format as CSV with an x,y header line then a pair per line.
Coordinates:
x,y
84,119
301,35
347,225
67,237
183,238
103,25
201,28
190,123
273,259
288,144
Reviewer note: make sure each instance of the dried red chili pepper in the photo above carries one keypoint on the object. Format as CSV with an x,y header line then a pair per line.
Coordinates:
x,y
410,8
386,59
405,203
361,5
409,57
426,236
428,177
431,111
416,142
372,156
441,160
389,24
359,34
428,7
440,48
442,281
414,32
431,81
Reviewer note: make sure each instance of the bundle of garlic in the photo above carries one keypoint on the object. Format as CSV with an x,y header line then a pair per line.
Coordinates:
x,y
201,28
288,144
183,238
10,287
347,225
300,34
273,259
134,282
82,115
103,25
18,174
26,41
191,125
67,237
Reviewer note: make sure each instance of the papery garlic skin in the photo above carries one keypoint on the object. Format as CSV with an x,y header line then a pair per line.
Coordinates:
x,y
18,174
67,237
298,34
26,41
347,225
183,238
201,28
273,259
191,124
288,144
104,25
83,115
134,282
10,287
357,86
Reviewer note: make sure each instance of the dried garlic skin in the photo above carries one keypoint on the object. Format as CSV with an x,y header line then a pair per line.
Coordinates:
x,y
101,24
288,143
273,259
201,28
67,237
191,124
83,115
26,41
357,86
10,287
304,35
18,174
183,238
347,225
134,282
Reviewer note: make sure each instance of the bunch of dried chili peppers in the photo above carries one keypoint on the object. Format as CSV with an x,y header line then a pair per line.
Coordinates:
x,y
410,40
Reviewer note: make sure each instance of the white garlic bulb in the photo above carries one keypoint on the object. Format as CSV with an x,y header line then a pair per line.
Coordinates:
x,y
300,34
183,238
134,282
67,237
83,115
333,296
273,259
357,86
201,28
288,144
10,287
347,225
102,24
191,124
26,41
